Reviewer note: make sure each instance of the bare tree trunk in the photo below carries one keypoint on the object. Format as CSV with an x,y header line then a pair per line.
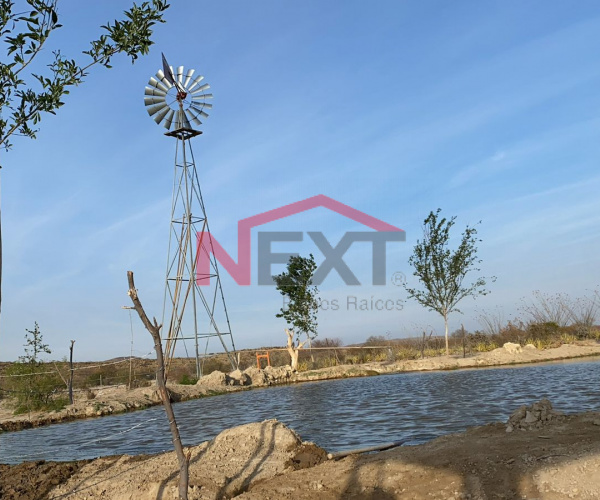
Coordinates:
x,y
293,358
312,358
71,372
0,253
293,351
154,329
446,327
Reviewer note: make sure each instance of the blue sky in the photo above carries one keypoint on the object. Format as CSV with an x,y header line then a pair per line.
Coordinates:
x,y
489,110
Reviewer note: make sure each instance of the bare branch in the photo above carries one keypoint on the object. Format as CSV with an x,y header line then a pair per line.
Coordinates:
x,y
154,329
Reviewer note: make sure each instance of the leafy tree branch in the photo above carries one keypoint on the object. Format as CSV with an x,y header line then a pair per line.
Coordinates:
x,y
24,34
25,27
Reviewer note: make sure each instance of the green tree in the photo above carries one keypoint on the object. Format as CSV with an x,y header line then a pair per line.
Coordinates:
x,y
300,312
24,31
442,271
34,346
30,383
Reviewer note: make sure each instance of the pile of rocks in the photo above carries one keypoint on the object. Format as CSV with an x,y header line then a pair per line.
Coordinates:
x,y
270,375
251,376
534,416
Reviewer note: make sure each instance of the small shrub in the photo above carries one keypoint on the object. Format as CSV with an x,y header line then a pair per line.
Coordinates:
x,y
303,366
353,359
543,331
187,380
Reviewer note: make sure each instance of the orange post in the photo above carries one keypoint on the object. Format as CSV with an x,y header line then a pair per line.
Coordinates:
x,y
265,355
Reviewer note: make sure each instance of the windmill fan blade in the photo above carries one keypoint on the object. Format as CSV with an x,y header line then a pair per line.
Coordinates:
x,y
197,80
194,118
197,101
180,74
156,108
165,81
169,119
202,96
153,100
161,114
151,91
155,83
194,112
188,77
201,88
199,111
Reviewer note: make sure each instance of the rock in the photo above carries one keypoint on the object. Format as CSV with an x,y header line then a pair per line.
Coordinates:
x,y
512,348
238,377
533,417
152,394
257,377
215,378
530,418
519,414
530,347
279,373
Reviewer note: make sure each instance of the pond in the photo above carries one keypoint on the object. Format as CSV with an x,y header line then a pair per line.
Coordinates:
x,y
337,414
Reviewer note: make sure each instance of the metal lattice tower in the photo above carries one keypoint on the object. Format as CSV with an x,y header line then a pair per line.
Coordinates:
x,y
194,304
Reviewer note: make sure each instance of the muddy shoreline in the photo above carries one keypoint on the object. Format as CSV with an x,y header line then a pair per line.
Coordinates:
x,y
114,400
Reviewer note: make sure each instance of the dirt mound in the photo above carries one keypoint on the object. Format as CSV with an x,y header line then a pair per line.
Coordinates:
x,y
306,456
533,417
221,468
483,463
33,480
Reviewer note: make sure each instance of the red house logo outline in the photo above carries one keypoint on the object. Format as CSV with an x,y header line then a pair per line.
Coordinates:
x,y
240,271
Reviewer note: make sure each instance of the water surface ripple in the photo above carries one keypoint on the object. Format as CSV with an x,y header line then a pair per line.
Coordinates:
x,y
337,415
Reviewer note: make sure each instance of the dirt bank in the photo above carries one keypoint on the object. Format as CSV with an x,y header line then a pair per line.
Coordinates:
x,y
538,454
110,400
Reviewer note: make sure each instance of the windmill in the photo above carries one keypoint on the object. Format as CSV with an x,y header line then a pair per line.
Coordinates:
x,y
194,305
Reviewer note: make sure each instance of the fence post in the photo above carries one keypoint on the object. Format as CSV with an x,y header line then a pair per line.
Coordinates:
x,y
71,372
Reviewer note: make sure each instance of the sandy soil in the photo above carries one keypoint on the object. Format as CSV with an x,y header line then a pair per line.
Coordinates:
x,y
538,454
110,400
